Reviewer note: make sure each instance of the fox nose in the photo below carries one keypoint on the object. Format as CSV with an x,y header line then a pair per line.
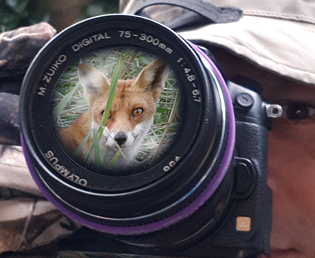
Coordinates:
x,y
120,138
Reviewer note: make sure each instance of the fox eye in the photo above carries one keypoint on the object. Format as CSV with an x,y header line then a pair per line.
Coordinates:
x,y
109,115
298,110
137,112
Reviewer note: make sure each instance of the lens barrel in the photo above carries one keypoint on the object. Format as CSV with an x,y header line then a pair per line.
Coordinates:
x,y
183,193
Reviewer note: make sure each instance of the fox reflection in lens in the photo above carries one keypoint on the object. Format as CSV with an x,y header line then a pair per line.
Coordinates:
x,y
120,114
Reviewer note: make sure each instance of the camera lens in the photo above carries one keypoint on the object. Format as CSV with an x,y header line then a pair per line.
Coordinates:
x,y
129,129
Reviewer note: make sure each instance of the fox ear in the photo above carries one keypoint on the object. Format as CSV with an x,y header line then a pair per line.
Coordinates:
x,y
93,82
152,77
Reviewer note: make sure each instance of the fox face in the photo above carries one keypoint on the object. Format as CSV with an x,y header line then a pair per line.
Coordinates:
x,y
131,113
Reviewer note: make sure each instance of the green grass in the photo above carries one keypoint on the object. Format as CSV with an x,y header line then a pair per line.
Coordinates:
x,y
68,101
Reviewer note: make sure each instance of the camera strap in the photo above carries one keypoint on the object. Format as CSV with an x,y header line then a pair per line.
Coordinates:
x,y
195,14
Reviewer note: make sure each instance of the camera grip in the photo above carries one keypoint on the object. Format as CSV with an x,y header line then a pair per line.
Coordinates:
x,y
251,144
252,126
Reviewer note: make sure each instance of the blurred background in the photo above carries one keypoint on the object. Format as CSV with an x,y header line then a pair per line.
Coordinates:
x,y
59,13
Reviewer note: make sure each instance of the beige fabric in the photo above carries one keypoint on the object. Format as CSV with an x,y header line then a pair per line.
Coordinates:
x,y
27,220
277,35
14,172
254,38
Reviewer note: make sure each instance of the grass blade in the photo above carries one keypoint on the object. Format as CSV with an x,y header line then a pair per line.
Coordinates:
x,y
112,163
97,150
111,95
63,103
130,62
170,119
97,137
79,149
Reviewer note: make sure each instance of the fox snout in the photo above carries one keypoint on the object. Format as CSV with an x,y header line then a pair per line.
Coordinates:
x,y
120,138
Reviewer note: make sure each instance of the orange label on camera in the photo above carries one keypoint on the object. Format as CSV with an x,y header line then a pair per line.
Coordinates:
x,y
243,224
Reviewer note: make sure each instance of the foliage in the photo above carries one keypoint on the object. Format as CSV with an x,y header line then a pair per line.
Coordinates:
x,y
20,13
99,7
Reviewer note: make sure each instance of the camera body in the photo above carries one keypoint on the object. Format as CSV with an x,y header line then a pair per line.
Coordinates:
x,y
244,228
202,192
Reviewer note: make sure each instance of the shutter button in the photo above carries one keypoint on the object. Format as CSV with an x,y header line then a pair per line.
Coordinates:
x,y
244,100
